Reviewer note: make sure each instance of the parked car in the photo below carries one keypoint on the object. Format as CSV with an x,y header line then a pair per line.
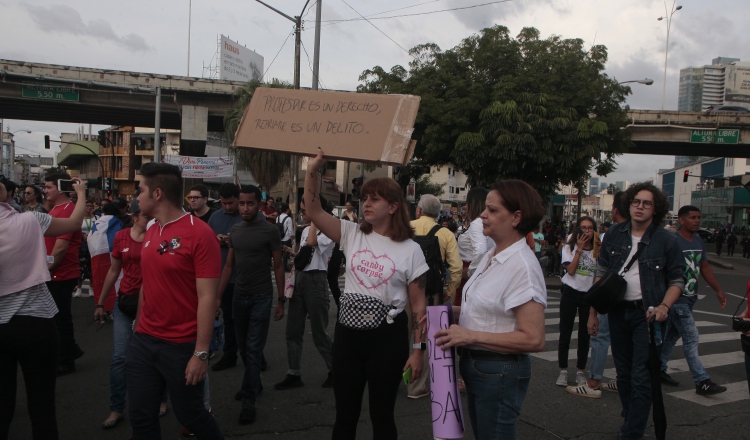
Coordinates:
x,y
706,235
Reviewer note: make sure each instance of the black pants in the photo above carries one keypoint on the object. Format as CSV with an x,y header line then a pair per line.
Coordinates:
x,y
374,358
571,303
230,338
152,366
730,250
32,343
285,255
62,293
334,265
718,248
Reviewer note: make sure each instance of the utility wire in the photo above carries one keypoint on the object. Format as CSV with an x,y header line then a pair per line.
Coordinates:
x,y
405,7
277,55
328,22
310,65
368,21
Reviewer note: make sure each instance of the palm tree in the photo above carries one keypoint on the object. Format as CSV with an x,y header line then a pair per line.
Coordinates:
x,y
266,167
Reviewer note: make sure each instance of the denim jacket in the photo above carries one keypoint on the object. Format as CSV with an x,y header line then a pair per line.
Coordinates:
x,y
661,263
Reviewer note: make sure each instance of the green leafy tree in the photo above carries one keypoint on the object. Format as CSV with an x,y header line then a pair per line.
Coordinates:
x,y
54,170
540,110
266,167
425,186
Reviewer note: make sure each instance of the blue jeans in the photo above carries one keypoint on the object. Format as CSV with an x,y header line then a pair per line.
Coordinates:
x,y
630,350
152,365
599,348
252,316
495,391
680,324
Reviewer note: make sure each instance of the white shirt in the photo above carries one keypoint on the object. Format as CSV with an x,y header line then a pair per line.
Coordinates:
x,y
380,267
282,218
473,244
322,253
633,276
583,278
509,279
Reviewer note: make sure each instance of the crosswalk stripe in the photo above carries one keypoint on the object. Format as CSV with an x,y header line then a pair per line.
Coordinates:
x,y
708,361
735,392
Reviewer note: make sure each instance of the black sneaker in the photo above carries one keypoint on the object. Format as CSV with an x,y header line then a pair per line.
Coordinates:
x,y
224,363
263,364
290,381
329,381
77,352
247,414
666,379
707,388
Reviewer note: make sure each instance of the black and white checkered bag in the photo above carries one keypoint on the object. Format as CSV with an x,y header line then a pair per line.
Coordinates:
x,y
362,312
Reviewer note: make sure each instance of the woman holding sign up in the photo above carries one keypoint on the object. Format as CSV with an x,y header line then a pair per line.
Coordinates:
x,y
384,271
501,313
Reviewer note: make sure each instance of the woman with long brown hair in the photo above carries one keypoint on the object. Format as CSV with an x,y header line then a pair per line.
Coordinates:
x,y
384,274
579,261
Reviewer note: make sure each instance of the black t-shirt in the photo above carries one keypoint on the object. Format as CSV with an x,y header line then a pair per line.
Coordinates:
x,y
253,245
205,216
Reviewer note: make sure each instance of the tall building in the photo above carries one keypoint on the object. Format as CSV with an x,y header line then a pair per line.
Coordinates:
x,y
702,87
594,185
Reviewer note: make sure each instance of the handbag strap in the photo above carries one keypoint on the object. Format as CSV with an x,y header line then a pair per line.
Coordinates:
x,y
641,247
739,305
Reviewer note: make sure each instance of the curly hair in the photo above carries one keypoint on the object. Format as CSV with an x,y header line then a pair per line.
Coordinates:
x,y
661,202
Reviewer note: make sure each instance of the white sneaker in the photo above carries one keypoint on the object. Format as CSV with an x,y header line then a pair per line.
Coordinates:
x,y
581,379
585,391
562,379
610,386
77,293
86,295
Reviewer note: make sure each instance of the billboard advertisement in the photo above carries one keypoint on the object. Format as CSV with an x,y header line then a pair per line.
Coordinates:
x,y
238,63
737,85
202,167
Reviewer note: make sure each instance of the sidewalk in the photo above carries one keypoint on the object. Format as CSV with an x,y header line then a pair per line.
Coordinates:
x,y
726,262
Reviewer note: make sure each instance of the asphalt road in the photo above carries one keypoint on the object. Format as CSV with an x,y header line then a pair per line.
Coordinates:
x,y
308,412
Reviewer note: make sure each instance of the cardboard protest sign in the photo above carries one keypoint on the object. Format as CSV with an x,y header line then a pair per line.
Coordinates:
x,y
447,409
361,127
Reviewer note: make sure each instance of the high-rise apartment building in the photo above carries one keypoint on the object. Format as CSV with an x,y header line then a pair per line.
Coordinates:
x,y
704,86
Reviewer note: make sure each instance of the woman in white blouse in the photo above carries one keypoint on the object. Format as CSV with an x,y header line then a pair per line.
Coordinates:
x,y
472,243
384,273
502,313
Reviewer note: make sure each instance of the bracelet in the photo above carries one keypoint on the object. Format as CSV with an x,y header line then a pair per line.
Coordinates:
x,y
98,306
662,304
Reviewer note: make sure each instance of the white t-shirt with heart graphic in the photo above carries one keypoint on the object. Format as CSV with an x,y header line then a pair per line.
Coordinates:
x,y
380,267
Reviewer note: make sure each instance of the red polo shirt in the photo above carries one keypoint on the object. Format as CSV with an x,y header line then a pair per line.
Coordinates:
x,y
129,252
69,268
173,256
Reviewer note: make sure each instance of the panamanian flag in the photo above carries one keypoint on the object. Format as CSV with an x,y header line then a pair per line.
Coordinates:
x,y
100,241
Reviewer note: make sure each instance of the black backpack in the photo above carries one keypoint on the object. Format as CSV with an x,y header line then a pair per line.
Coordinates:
x,y
280,226
430,245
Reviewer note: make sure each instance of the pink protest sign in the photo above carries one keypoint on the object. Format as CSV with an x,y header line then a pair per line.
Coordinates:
x,y
447,410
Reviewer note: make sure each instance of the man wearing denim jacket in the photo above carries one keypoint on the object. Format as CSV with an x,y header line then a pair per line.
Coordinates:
x,y
655,281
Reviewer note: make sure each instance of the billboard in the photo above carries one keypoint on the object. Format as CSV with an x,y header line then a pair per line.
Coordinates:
x,y
737,85
238,63
202,167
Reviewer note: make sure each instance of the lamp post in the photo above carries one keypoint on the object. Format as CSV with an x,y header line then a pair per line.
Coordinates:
x,y
668,18
644,81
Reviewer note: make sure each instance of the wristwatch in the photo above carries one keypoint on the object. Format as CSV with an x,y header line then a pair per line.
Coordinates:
x,y
282,299
419,346
202,355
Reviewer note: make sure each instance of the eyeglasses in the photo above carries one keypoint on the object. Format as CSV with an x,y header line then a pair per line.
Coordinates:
x,y
587,228
646,203
194,197
28,193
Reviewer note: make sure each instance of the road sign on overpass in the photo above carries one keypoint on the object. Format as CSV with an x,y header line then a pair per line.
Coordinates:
x,y
49,91
722,136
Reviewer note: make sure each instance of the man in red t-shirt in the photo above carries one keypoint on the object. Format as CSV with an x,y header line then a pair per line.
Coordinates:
x,y
181,265
62,261
269,210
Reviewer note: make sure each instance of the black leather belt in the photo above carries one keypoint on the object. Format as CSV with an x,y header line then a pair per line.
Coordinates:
x,y
484,355
315,271
632,305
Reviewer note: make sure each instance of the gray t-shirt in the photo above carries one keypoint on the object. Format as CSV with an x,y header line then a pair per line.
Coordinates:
x,y
253,245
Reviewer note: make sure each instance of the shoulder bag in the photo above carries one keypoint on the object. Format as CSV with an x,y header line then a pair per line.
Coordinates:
x,y
606,293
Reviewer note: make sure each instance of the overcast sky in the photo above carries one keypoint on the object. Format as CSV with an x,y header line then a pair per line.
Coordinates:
x,y
152,36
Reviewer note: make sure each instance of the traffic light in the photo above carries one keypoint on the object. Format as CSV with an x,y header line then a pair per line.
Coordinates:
x,y
357,183
102,138
46,142
685,176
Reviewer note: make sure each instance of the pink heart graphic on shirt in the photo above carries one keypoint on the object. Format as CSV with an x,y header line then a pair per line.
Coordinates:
x,y
372,271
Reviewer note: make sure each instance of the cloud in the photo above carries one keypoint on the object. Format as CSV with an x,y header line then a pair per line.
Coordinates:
x,y
66,20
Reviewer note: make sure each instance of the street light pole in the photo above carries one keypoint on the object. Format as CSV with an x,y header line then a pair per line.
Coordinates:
x,y
644,81
668,17
294,160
